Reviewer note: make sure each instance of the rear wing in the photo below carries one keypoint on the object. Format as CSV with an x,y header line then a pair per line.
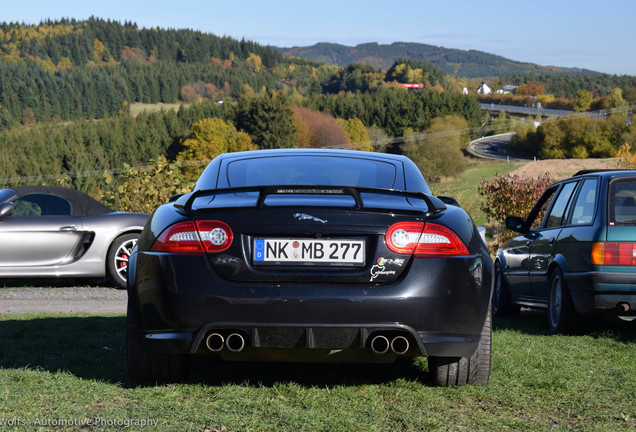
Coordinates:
x,y
434,205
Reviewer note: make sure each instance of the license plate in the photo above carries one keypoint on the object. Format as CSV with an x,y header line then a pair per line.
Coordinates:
x,y
314,251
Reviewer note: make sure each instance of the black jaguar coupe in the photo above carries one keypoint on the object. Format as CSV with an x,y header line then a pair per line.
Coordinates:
x,y
310,256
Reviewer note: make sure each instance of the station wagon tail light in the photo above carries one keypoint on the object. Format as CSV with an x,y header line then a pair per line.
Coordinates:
x,y
424,239
614,253
194,238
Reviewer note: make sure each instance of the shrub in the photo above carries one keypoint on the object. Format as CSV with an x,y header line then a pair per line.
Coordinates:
x,y
143,190
508,195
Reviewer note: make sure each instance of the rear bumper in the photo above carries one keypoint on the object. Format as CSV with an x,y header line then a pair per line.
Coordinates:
x,y
439,307
600,291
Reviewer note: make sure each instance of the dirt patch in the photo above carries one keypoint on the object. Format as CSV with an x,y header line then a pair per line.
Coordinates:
x,y
562,168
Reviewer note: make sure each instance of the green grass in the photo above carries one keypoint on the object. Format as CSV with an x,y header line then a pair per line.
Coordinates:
x,y
73,368
464,187
138,107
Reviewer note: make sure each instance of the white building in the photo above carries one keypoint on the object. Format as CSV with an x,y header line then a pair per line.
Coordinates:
x,y
484,89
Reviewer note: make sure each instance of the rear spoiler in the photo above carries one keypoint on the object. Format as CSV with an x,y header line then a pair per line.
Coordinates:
x,y
434,205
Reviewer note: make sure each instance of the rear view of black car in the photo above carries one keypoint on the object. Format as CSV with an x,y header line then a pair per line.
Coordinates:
x,y
310,256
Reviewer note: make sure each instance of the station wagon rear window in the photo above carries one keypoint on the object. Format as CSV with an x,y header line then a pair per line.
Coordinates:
x,y
622,202
312,170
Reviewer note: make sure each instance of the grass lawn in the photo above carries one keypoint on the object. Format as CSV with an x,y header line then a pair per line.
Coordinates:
x,y
62,372
464,187
138,107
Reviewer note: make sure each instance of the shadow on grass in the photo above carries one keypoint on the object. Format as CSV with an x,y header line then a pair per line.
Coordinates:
x,y
535,322
90,347
93,347
213,372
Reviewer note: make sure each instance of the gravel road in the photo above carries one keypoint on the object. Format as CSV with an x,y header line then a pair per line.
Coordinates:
x,y
94,300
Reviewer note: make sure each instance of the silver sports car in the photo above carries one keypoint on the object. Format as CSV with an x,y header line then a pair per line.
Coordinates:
x,y
51,231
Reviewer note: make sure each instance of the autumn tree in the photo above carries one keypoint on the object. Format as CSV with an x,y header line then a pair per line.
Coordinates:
x,y
318,129
210,137
530,89
438,150
356,133
142,190
414,71
583,100
253,62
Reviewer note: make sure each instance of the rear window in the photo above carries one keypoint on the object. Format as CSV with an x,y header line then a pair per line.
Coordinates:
x,y
622,202
311,170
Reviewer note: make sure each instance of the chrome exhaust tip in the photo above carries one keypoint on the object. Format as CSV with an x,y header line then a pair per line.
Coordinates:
x,y
235,342
380,344
622,307
400,345
214,342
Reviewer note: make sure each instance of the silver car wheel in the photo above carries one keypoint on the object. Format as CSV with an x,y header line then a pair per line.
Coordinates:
x,y
121,257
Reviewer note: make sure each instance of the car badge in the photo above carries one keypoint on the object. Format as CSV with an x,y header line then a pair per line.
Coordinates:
x,y
303,216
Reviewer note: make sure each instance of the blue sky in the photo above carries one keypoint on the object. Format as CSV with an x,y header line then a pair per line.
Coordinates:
x,y
595,35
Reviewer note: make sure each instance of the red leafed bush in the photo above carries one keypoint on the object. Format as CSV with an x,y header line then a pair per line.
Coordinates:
x,y
510,195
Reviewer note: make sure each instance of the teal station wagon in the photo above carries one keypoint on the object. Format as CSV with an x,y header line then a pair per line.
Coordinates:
x,y
575,253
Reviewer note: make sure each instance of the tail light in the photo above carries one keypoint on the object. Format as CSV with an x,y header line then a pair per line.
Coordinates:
x,y
424,239
194,238
614,253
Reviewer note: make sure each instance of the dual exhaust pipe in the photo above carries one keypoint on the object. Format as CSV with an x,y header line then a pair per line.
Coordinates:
x,y
235,342
380,345
216,342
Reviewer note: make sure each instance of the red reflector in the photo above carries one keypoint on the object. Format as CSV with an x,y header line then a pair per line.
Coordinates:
x,y
424,239
614,253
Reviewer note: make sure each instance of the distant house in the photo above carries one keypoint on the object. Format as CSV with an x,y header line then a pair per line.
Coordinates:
x,y
507,89
484,89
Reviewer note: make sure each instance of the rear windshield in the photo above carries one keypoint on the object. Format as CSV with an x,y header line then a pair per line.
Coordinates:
x,y
622,202
311,170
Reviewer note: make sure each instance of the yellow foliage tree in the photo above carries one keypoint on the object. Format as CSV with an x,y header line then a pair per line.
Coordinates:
x,y
254,62
210,137
142,190
64,64
626,159
357,134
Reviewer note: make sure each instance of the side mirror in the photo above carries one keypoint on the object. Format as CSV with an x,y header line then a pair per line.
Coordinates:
x,y
6,209
514,223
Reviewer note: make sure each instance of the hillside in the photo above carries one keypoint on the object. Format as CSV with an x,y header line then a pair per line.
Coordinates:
x,y
456,62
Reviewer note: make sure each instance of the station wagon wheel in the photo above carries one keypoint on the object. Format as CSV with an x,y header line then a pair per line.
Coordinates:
x,y
501,300
562,316
117,259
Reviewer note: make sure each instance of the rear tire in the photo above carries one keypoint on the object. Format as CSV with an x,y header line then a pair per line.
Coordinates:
x,y
145,367
453,371
117,258
562,317
501,299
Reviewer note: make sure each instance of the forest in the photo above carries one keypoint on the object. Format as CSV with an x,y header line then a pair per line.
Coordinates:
x,y
67,89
